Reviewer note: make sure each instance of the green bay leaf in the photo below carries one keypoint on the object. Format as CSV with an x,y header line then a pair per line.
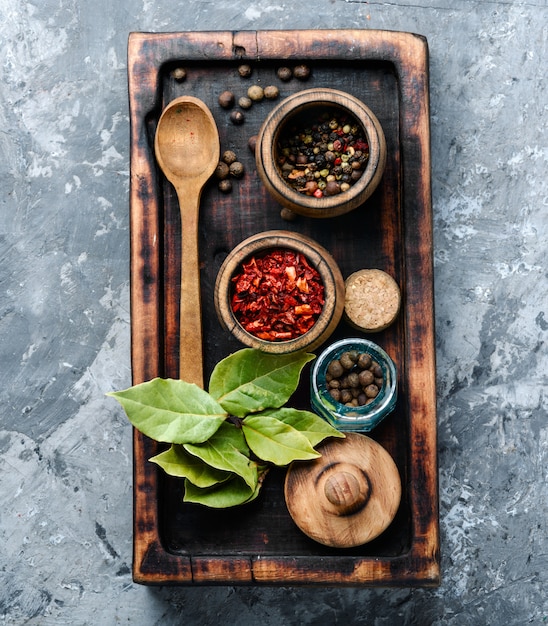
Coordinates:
x,y
312,426
227,450
178,462
171,411
231,493
249,381
272,440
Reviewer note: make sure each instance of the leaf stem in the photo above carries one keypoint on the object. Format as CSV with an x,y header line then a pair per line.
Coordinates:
x,y
237,421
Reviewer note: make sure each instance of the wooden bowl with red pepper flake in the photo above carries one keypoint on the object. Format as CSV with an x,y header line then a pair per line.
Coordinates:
x,y
321,152
280,292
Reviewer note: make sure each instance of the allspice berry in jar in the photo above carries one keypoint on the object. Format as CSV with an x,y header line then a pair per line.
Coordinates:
x,y
354,378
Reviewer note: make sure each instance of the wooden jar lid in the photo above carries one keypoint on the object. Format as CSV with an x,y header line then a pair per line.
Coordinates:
x,y
348,496
372,300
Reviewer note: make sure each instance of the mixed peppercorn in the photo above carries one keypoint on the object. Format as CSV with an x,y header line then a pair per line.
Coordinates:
x,y
354,379
277,296
324,158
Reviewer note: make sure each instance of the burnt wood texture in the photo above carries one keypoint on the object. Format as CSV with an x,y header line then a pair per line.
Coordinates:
x,y
259,544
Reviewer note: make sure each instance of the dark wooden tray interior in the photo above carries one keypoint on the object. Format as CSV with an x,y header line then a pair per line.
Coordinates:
x,y
392,231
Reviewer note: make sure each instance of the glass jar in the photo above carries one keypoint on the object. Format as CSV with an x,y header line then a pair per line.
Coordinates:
x,y
353,418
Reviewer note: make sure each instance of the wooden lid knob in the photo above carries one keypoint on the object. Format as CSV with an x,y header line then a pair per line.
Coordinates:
x,y
348,496
346,492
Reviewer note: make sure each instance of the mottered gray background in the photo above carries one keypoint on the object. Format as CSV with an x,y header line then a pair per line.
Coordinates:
x,y
65,449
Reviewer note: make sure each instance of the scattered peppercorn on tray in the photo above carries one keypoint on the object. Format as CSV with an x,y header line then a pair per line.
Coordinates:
x,y
258,544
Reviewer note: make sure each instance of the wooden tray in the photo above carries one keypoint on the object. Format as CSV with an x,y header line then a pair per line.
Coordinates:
x,y
258,544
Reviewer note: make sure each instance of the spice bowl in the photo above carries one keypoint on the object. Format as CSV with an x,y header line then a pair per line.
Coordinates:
x,y
279,292
321,152
344,362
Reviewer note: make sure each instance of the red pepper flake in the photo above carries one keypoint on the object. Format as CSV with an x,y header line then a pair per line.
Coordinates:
x,y
277,296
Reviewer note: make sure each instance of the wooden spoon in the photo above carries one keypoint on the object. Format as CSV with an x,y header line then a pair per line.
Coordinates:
x,y
187,148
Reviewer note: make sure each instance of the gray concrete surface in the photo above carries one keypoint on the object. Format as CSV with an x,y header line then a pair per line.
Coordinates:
x,y
65,449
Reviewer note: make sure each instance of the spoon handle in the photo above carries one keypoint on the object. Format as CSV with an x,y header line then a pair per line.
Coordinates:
x,y
190,310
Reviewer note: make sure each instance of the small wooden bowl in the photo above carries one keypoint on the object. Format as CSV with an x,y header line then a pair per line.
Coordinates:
x,y
316,255
305,105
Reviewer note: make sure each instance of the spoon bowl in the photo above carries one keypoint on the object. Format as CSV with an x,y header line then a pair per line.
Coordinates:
x,y
187,149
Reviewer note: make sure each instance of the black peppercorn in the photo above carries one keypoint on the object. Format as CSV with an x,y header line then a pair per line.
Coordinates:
x,y
288,215
252,143
229,156
179,74
256,93
320,160
236,169
284,73
271,92
244,70
245,102
237,118
302,72
222,171
225,185
226,99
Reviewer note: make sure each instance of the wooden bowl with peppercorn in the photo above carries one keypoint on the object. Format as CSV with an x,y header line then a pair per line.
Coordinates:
x,y
280,292
321,152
